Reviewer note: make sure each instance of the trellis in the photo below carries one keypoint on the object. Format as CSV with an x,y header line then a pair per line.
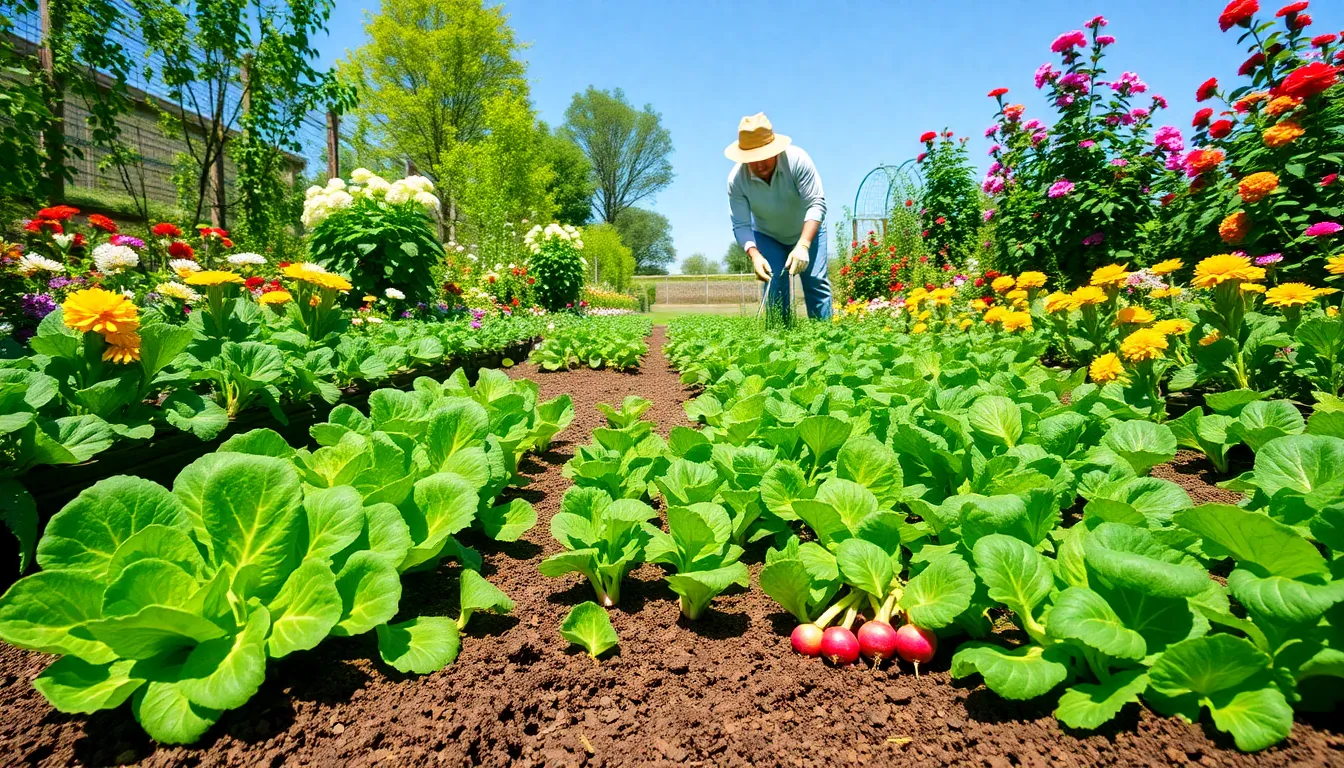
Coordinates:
x,y
879,191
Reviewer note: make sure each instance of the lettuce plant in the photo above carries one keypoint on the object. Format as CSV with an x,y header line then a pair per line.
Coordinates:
x,y
603,539
697,544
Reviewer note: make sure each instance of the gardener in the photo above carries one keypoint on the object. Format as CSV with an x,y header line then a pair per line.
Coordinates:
x,y
776,204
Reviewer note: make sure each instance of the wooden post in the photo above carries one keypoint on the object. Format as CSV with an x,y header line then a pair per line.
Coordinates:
x,y
706,289
53,139
411,170
333,145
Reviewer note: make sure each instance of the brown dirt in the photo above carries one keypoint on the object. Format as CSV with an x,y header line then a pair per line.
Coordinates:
x,y
723,691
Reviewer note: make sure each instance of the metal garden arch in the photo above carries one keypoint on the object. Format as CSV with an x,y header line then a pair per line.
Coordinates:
x,y
879,191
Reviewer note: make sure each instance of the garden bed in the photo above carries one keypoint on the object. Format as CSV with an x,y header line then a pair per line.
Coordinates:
x,y
724,690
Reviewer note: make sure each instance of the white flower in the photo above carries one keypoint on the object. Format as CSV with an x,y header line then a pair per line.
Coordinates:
x,y
524,221
128,293
30,264
361,175
176,291
312,192
393,293
578,244
375,321
377,186
428,200
461,249
63,240
356,321
418,183
398,193
184,265
241,259
112,259
512,265
6,329
310,266
499,267
335,184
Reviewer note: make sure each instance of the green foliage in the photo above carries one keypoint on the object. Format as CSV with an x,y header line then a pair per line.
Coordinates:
x,y
572,186
588,625
380,245
629,149
700,264
949,202
602,539
610,261
649,236
558,266
614,342
698,545
735,260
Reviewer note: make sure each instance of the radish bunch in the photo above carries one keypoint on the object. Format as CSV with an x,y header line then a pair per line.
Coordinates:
x,y
876,639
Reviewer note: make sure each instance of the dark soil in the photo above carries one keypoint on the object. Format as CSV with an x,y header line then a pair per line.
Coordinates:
x,y
726,690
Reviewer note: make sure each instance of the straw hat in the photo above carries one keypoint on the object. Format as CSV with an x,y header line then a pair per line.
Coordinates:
x,y
756,140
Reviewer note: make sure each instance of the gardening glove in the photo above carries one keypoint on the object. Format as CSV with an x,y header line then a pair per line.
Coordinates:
x,y
760,266
799,258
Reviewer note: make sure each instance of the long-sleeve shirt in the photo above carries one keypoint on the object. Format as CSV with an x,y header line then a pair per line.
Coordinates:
x,y
780,207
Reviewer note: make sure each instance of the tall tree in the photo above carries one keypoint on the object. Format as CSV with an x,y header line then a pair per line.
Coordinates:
x,y
572,186
629,148
736,260
699,264
649,236
427,73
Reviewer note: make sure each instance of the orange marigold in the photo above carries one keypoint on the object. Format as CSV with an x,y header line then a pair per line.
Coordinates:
x,y
1285,132
1257,186
1202,160
1282,104
1234,228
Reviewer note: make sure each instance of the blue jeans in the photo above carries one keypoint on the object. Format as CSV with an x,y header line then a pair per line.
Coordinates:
x,y
816,283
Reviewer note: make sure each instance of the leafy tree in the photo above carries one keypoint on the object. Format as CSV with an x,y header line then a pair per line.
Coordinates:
x,y
628,148
950,201
736,260
610,261
699,264
649,236
571,187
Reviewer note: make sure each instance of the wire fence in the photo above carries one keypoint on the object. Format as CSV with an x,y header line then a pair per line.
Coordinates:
x,y
706,290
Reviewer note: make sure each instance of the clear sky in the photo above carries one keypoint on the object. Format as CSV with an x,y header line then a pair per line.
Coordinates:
x,y
854,83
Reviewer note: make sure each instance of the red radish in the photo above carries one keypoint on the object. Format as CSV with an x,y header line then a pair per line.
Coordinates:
x,y
877,641
840,646
916,645
807,638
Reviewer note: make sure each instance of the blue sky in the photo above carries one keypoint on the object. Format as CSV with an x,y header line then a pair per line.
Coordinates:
x,y
854,83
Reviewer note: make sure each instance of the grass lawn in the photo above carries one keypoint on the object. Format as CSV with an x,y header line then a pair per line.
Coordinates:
x,y
662,313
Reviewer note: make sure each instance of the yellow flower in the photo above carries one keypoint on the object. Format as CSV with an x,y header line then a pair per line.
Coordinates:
x,y
1059,301
1106,368
1211,338
334,282
1029,280
1088,294
1285,132
1017,294
1251,288
1282,104
122,347
275,298
925,315
979,304
995,313
919,328
212,277
316,275
944,295
176,291
101,311
1166,267
1225,267
1002,284
1235,227
1133,316
1177,327
1290,295
1167,293
370,299
1143,344
1332,311
1257,186
964,324
1111,274
1016,321
1335,265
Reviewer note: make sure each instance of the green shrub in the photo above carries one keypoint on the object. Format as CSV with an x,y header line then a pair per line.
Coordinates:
x,y
557,265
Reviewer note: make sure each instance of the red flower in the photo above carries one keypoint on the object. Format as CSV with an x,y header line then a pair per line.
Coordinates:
x,y
1167,198
997,92
1202,117
925,233
1302,21
1248,66
1309,80
254,282
844,270
1237,12
79,241
283,264
947,134
515,301
856,259
920,157
1329,179
1291,8
923,259
899,285
1220,129
1320,41
992,273
37,226
57,213
940,220
1206,89
452,288
180,250
908,203
99,221
226,242
166,230
979,282
273,286
531,280
927,136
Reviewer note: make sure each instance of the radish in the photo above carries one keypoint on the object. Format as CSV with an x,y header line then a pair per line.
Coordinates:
x,y
840,646
806,639
877,641
916,645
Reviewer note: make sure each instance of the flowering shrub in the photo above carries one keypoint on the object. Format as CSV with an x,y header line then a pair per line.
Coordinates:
x,y
882,266
1263,177
557,264
602,299
377,232
949,203
1078,194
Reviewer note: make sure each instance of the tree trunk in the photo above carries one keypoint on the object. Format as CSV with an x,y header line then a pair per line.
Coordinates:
x,y
53,138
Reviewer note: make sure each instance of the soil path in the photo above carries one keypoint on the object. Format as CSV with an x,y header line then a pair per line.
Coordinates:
x,y
722,691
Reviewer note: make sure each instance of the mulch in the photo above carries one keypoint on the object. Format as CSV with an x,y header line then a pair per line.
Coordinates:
x,y
725,690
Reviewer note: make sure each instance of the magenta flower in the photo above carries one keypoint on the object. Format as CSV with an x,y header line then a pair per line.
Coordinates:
x,y
995,167
1087,143
1323,228
994,149
1119,162
1060,188
989,214
1129,83
1094,239
1032,125
1097,22
991,130
1044,74
1064,100
1069,40
1038,137
1138,113
1175,161
992,185
1168,137
1076,80
1105,39
1267,259
1160,102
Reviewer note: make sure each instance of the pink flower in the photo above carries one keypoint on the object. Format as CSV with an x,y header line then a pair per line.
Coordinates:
x,y
989,214
1032,125
1168,137
991,130
1076,80
1097,22
1038,137
1175,162
1094,239
1069,40
1105,40
995,167
1138,113
1329,179
1159,102
1060,188
1322,228
994,149
1044,74
1267,259
1129,83
1119,162
1064,100
1087,143
992,185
